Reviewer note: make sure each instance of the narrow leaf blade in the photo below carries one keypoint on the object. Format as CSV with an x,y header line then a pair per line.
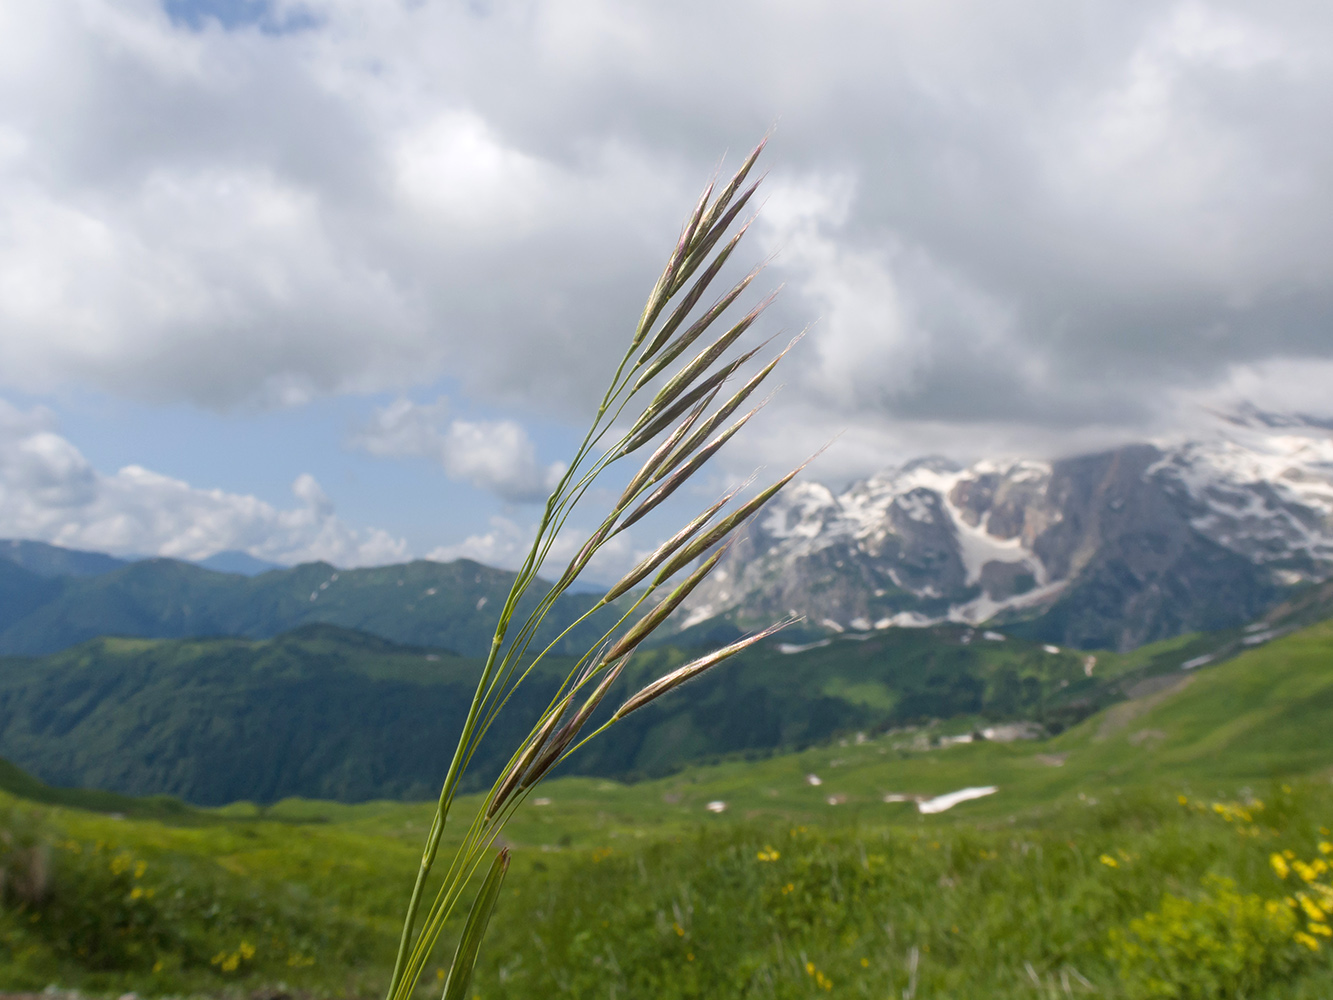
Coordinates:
x,y
465,958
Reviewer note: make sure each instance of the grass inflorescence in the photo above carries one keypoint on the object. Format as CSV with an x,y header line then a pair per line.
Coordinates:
x,y
669,388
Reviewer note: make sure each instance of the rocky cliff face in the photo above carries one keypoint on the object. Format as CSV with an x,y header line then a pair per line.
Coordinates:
x,y
1113,549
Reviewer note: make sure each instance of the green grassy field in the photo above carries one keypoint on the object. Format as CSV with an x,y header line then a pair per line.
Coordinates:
x,y
1129,856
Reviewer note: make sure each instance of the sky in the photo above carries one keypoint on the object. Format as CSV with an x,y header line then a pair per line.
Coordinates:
x,y
343,279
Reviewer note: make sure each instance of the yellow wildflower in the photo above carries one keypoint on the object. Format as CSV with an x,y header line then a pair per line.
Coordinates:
x,y
1280,865
1311,908
1109,861
1307,872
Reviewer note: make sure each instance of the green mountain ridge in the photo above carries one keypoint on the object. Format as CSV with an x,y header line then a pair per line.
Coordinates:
x,y
1259,717
332,713
56,560
447,605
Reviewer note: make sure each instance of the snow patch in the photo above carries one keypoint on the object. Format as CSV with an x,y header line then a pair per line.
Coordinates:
x,y
788,647
942,802
700,614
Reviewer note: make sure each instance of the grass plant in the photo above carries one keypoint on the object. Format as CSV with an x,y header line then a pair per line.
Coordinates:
x,y
664,394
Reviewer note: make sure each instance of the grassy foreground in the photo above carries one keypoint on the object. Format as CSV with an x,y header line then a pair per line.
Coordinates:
x,y
1084,874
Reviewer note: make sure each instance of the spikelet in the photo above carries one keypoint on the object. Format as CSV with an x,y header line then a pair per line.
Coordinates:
x,y
693,669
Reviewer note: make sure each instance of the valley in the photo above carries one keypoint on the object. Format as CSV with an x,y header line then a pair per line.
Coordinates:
x,y
739,874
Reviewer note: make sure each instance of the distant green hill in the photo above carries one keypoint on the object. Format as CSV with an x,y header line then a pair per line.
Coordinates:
x,y
322,712
55,560
325,712
22,592
19,783
447,605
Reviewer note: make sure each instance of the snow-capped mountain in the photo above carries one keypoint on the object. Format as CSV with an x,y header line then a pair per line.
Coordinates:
x,y
1112,549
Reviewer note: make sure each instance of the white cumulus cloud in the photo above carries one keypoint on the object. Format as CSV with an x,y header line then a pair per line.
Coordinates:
x,y
49,492
494,455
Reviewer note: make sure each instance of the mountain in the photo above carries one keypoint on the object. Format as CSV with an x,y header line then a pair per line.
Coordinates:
x,y
325,712
23,592
448,605
52,560
232,561
1109,550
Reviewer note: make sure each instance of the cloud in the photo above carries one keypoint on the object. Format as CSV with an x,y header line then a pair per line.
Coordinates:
x,y
494,455
1040,223
49,492
506,544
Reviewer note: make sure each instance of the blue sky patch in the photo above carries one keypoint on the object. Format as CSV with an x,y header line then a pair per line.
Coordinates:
x,y
233,14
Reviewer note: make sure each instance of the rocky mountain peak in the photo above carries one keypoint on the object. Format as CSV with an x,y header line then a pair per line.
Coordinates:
x,y
1115,548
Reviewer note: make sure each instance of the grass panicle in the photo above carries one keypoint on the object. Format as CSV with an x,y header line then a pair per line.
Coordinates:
x,y
676,411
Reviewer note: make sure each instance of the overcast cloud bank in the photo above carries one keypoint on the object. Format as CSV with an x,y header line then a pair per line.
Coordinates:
x,y
1030,228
